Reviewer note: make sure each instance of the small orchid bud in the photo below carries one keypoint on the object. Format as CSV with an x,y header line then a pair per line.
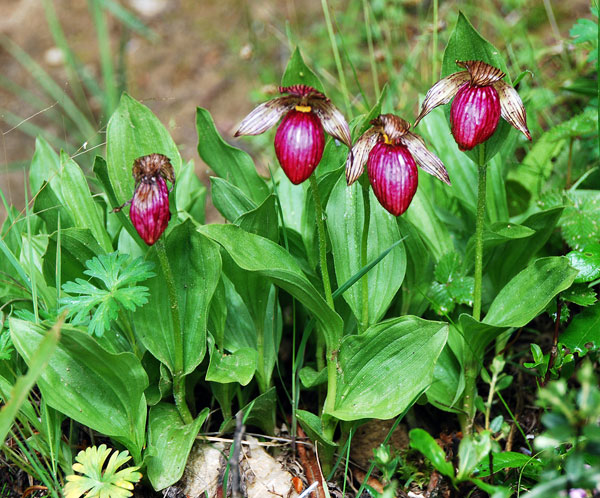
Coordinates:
x,y
299,141
392,154
480,98
149,210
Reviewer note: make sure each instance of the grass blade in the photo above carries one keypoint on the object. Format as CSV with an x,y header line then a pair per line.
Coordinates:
x,y
129,19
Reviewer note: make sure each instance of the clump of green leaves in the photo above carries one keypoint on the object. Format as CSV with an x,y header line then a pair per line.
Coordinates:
x,y
571,442
116,273
586,31
99,480
452,286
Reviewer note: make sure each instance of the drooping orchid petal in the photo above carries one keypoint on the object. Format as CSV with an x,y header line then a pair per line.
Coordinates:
x,y
355,164
442,93
474,110
427,161
333,121
512,108
299,140
266,115
392,154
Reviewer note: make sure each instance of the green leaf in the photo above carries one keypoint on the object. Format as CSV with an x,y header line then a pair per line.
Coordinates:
x,y
421,440
196,268
261,415
580,221
20,391
84,212
49,207
263,220
116,271
134,131
77,246
101,172
511,257
45,167
257,254
587,262
311,378
87,383
169,444
507,460
229,200
231,164
345,214
190,193
579,294
298,73
583,333
448,382
472,450
448,267
403,348
529,292
311,424
238,366
465,44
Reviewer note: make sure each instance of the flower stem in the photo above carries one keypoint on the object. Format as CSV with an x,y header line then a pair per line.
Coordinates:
x,y
434,47
178,376
336,57
322,240
481,192
471,363
363,255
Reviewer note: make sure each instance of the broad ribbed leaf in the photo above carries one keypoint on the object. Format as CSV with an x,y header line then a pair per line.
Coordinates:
x,y
169,444
529,292
257,254
134,131
298,73
466,44
196,267
382,370
98,389
234,165
345,214
421,440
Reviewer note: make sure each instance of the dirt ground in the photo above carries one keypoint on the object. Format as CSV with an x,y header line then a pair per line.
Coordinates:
x,y
205,56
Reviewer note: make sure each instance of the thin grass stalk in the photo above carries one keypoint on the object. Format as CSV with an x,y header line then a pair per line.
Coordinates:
x,y
434,44
372,60
32,268
54,91
336,57
106,62
71,64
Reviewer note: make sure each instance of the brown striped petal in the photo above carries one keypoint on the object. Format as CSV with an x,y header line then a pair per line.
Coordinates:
x,y
355,164
266,115
511,107
442,92
394,127
482,74
427,160
332,119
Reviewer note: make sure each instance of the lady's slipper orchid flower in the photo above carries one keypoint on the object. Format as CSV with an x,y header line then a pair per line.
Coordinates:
x,y
480,98
149,210
392,154
299,141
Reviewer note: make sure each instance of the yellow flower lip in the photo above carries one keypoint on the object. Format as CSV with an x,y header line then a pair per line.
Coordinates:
x,y
303,108
386,139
